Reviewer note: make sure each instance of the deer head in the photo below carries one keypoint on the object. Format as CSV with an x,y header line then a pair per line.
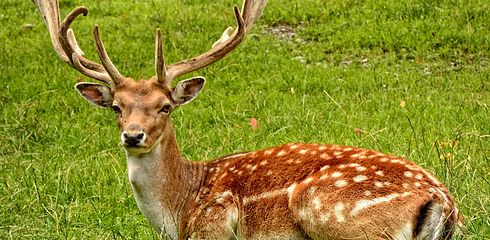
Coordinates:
x,y
142,107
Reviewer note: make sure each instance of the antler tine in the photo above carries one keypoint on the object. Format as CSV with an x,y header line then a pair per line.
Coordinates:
x,y
104,77
65,43
104,57
160,60
251,11
68,41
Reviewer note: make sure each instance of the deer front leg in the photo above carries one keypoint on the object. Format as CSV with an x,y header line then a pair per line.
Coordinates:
x,y
216,218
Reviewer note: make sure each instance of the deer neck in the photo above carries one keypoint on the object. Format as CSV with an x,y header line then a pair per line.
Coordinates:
x,y
162,183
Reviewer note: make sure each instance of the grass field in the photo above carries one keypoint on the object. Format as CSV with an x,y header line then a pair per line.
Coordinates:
x,y
410,78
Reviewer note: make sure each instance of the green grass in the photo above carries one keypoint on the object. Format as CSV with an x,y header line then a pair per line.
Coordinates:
x,y
341,79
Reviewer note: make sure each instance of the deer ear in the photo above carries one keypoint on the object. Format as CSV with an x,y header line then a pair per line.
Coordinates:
x,y
187,90
97,94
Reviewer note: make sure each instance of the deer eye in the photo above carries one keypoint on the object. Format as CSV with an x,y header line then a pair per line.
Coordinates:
x,y
116,109
165,109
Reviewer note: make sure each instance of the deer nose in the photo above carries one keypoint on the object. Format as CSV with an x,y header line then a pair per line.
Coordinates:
x,y
133,137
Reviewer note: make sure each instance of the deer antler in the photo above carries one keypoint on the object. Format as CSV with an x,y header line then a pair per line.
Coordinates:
x,y
251,11
66,46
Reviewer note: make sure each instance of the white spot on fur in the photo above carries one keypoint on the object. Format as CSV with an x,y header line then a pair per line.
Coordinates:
x,y
342,166
322,148
359,178
417,185
290,189
378,184
269,172
354,165
336,174
316,203
263,163
325,168
378,154
363,204
404,194
308,180
337,153
367,193
324,156
323,177
324,217
335,147
396,161
340,183
379,173
339,216
419,176
281,153
361,168
374,167
265,195
383,159
355,155
294,146
405,185
313,152
304,214
268,152
303,151
408,174
347,149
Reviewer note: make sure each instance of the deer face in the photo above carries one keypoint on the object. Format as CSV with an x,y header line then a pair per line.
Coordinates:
x,y
142,108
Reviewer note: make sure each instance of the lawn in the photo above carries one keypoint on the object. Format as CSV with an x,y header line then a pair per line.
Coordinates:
x,y
410,78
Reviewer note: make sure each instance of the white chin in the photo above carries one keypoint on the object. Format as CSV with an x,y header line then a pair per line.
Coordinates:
x,y
137,150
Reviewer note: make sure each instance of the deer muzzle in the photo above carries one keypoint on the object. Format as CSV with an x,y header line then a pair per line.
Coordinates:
x,y
133,136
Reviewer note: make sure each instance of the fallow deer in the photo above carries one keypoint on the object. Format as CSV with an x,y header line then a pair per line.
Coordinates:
x,y
293,191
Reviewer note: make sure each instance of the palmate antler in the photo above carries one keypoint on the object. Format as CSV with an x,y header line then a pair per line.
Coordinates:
x,y
66,46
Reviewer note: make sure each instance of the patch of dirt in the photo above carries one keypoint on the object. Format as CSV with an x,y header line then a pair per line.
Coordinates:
x,y
283,32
